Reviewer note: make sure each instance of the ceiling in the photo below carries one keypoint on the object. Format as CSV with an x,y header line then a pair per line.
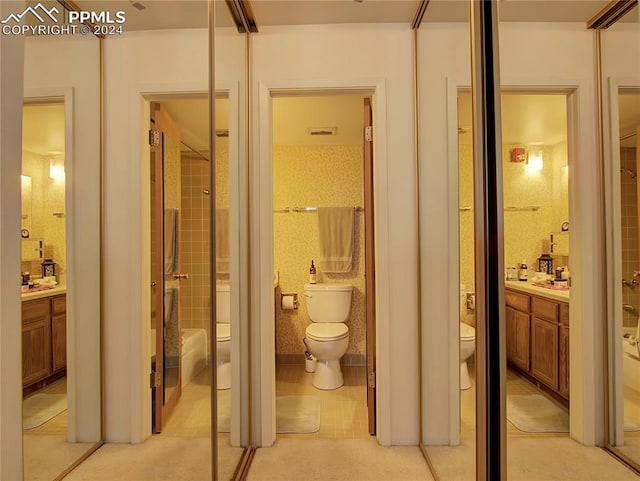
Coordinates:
x,y
43,129
161,14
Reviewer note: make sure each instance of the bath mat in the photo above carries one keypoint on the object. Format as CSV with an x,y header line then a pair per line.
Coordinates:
x,y
535,413
294,414
41,407
297,414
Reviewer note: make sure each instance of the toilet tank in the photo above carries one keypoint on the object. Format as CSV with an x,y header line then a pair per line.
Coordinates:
x,y
223,303
328,302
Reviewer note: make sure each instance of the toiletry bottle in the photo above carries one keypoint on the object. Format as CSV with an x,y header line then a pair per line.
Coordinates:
x,y
522,271
313,279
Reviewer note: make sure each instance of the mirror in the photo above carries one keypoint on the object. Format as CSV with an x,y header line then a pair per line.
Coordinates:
x,y
621,101
26,186
61,215
559,243
172,173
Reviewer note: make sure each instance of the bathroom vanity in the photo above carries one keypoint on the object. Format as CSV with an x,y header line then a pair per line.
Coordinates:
x,y
537,328
44,337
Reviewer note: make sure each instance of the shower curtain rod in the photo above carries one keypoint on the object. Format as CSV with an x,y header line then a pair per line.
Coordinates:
x,y
194,151
309,209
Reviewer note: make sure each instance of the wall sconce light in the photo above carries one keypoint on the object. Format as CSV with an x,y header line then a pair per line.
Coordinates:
x,y
56,168
534,160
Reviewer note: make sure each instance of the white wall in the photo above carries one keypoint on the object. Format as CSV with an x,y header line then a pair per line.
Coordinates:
x,y
11,61
531,55
133,70
69,67
376,57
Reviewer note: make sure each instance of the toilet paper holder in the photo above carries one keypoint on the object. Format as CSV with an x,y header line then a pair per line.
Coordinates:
x,y
288,300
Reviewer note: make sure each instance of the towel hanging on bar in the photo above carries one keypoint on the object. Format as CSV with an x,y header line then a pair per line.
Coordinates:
x,y
335,226
170,241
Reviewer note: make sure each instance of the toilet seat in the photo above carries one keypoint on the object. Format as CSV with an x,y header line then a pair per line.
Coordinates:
x,y
467,332
332,331
223,332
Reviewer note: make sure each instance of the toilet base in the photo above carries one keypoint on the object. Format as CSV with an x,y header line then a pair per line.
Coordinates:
x,y
465,382
224,375
328,375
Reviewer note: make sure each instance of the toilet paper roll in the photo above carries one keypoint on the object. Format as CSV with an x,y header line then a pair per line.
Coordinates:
x,y
288,303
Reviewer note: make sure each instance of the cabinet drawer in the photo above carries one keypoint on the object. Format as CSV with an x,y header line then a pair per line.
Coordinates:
x,y
544,309
35,309
59,304
516,300
564,314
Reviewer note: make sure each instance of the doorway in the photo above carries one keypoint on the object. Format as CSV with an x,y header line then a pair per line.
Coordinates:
x,y
322,167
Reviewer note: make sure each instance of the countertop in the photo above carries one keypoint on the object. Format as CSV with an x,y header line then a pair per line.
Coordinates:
x,y
27,296
529,288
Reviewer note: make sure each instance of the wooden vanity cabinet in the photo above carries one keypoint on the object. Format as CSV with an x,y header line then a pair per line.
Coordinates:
x,y
44,340
537,331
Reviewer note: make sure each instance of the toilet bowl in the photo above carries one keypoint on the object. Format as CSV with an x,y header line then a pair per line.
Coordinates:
x,y
467,346
467,340
327,337
223,336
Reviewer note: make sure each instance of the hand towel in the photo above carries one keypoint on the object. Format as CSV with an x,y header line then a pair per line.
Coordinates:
x,y
335,225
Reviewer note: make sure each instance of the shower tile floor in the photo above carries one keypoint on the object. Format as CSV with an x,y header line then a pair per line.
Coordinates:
x,y
343,414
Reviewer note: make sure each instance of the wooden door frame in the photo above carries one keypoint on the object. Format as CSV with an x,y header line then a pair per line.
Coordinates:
x,y
369,269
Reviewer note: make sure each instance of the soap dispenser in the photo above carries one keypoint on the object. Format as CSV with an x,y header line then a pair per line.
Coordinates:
x,y
313,279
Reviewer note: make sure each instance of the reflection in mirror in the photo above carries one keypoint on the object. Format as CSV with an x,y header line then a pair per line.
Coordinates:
x,y
620,51
60,261
626,420
26,187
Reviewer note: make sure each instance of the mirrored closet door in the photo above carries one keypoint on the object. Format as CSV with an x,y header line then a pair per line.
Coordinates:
x,y
60,249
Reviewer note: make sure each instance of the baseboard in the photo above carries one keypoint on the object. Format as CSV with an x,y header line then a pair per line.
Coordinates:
x,y
347,359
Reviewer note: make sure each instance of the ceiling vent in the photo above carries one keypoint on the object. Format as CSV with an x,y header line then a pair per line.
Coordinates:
x,y
323,131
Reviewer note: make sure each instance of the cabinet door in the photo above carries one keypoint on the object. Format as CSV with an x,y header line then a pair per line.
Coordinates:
x,y
522,340
544,351
563,362
59,342
36,351
510,327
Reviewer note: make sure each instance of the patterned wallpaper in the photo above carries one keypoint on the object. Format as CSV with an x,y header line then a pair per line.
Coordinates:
x,y
325,177
526,233
48,197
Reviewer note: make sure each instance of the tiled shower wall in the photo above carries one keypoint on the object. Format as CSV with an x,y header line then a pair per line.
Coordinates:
x,y
194,242
630,247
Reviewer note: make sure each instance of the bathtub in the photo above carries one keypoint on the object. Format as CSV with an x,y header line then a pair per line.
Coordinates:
x,y
195,355
630,359
195,352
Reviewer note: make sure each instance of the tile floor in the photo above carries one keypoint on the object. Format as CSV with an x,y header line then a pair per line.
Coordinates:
x,y
343,412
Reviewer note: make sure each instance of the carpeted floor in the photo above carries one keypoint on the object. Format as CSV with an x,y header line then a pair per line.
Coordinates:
x,y
338,459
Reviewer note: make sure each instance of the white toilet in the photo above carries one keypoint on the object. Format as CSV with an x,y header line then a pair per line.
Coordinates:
x,y
327,337
223,336
467,341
